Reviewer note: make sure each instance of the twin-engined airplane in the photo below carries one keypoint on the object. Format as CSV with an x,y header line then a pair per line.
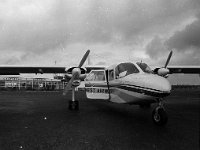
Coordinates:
x,y
124,83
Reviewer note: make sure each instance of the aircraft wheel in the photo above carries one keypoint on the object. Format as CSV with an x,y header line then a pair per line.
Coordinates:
x,y
73,105
159,116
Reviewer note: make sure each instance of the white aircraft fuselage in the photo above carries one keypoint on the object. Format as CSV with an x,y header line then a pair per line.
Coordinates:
x,y
141,88
137,87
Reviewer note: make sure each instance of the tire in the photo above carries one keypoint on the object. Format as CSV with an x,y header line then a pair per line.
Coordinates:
x,y
73,105
160,118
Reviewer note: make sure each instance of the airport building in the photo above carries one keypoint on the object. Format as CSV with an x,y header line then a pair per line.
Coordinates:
x,y
20,83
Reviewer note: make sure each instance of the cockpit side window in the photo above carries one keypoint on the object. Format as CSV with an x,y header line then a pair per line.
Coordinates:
x,y
144,67
125,69
96,76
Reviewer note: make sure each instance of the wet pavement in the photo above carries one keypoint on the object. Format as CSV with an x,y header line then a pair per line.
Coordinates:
x,y
41,120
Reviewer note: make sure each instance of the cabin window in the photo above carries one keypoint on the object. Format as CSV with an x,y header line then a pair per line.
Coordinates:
x,y
97,75
125,69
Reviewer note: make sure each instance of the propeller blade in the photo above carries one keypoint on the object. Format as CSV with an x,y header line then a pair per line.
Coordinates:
x,y
68,86
84,59
168,59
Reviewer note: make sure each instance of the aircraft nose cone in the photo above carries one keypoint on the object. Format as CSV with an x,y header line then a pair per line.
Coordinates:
x,y
162,84
156,85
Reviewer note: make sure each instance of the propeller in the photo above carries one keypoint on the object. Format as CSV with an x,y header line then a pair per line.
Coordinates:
x,y
68,86
164,71
84,59
75,73
168,59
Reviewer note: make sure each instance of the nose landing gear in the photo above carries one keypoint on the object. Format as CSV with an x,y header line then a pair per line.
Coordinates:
x,y
73,104
159,114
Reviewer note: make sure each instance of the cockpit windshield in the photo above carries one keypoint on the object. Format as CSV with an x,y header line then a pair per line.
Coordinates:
x,y
125,69
144,67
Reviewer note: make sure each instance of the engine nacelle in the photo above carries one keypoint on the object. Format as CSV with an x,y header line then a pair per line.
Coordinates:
x,y
82,77
163,72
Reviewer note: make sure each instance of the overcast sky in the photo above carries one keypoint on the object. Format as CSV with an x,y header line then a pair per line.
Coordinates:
x,y
40,32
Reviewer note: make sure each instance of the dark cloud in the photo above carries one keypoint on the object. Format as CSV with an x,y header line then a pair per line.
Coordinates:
x,y
43,26
156,48
189,38
100,21
136,19
127,21
185,44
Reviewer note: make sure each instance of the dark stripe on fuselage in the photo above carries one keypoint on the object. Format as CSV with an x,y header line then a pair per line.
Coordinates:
x,y
154,93
146,88
134,88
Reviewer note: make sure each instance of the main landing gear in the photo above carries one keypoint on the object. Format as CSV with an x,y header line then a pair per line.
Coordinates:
x,y
73,104
159,114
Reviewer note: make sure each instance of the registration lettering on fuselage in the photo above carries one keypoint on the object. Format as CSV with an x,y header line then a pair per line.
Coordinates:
x,y
96,90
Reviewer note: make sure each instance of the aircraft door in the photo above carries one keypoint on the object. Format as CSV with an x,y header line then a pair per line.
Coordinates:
x,y
96,85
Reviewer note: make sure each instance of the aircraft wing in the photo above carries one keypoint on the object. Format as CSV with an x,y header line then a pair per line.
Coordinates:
x,y
184,69
16,70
